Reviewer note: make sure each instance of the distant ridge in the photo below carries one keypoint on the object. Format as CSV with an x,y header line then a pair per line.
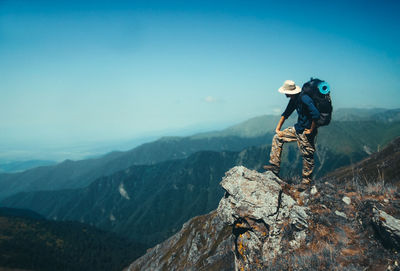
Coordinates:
x,y
24,213
362,114
19,166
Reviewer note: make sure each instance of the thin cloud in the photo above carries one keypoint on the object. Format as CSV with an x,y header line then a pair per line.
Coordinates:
x,y
210,99
276,111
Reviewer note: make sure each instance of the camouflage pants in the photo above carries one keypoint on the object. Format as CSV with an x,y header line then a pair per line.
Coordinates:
x,y
306,146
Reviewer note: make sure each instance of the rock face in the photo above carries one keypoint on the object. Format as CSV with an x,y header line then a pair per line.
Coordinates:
x,y
261,214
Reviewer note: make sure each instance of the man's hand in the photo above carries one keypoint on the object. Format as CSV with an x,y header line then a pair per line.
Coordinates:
x,y
307,131
279,126
278,132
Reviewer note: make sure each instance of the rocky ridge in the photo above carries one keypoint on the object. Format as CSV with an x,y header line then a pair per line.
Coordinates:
x,y
263,223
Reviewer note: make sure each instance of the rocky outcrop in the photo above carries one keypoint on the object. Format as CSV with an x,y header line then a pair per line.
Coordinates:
x,y
246,231
264,223
387,226
261,215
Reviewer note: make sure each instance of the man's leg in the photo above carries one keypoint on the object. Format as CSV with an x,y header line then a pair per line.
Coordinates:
x,y
307,148
288,135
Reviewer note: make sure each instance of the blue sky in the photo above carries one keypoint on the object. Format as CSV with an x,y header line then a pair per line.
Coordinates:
x,y
85,71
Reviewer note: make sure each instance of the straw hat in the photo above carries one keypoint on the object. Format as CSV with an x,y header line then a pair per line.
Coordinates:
x,y
289,87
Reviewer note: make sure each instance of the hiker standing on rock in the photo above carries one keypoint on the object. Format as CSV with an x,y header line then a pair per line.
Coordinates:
x,y
304,131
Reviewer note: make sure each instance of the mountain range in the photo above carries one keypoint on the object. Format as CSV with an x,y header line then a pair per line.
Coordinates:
x,y
148,203
351,140
75,174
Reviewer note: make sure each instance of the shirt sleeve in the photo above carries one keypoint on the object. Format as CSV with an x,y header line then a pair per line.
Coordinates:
x,y
289,108
310,106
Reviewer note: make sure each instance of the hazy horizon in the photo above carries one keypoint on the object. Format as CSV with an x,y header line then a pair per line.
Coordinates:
x,y
77,72
91,149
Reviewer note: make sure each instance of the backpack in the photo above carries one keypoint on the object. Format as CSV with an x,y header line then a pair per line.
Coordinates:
x,y
319,92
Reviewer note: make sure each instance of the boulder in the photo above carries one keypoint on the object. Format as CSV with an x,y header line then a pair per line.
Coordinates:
x,y
387,226
266,221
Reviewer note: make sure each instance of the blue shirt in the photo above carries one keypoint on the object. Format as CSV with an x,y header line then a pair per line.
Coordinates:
x,y
306,110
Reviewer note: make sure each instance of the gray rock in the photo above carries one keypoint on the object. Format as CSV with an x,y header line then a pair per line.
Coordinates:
x,y
387,226
341,214
314,190
346,200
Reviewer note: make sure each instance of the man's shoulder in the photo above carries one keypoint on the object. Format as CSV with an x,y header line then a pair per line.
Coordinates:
x,y
305,98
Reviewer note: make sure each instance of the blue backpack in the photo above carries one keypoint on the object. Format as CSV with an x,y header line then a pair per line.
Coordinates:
x,y
319,92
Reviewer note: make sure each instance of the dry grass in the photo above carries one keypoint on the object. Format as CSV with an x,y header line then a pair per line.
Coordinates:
x,y
350,251
364,186
379,191
320,210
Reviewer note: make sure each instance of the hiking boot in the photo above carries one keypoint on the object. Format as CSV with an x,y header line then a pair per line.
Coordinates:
x,y
301,187
306,182
272,168
304,185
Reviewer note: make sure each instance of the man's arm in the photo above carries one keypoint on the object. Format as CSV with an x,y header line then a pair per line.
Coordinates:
x,y
289,108
313,112
279,126
286,114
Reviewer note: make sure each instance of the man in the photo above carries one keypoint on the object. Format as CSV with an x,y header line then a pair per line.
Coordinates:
x,y
304,131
